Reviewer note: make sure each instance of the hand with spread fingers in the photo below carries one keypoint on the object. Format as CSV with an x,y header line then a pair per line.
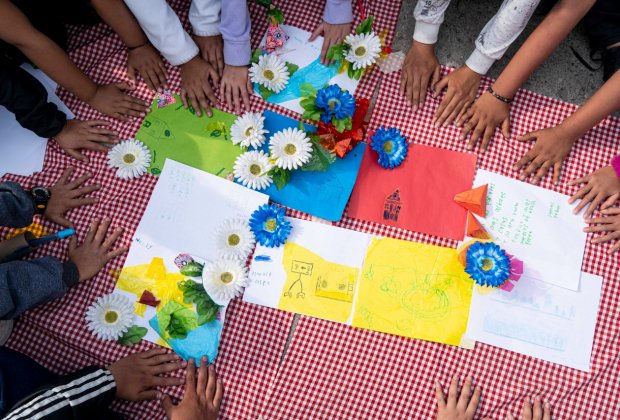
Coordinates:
x,y
137,376
484,116
147,61
77,135
533,411
67,195
113,100
97,249
609,225
457,407
212,51
420,70
203,395
196,90
462,86
602,187
236,87
333,34
551,149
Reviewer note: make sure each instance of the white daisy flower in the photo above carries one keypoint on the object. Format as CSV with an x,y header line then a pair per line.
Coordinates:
x,y
270,72
290,148
248,130
131,158
225,279
251,169
110,316
234,239
364,50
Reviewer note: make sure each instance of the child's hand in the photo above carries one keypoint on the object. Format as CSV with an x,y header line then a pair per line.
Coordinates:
x,y
332,35
95,252
419,69
537,412
212,51
147,61
196,87
113,101
462,89
67,195
485,115
461,408
610,224
202,397
551,148
602,186
78,135
235,86
137,376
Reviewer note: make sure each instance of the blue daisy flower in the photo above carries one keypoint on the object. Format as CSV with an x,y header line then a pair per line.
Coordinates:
x,y
487,264
268,225
391,146
335,102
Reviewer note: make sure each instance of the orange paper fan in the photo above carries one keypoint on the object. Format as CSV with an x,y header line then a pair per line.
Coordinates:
x,y
474,200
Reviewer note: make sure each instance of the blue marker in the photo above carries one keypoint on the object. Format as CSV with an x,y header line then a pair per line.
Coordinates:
x,y
32,244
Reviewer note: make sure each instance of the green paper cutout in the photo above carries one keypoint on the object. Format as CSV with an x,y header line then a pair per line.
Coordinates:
x,y
173,132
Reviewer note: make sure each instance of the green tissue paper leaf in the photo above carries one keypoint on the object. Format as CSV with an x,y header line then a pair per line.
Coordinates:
x,y
308,104
176,320
133,335
342,124
292,68
306,90
276,14
320,160
205,307
192,269
264,92
280,177
365,27
255,55
336,52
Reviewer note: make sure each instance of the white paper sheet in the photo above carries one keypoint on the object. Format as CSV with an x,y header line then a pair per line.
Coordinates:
x,y
299,51
537,226
539,320
336,245
21,151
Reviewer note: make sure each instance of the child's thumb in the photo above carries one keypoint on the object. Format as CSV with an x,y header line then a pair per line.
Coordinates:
x,y
167,405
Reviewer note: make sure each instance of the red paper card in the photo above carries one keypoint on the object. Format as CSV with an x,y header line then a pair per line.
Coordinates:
x,y
419,194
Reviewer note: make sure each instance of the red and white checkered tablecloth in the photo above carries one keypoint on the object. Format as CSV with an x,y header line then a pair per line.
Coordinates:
x,y
333,371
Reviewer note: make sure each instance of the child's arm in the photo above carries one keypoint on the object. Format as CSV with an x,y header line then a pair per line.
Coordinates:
x,y
336,25
554,144
141,56
16,205
15,29
488,112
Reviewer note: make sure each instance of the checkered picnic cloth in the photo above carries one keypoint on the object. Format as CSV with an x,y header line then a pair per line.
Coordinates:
x,y
55,334
333,371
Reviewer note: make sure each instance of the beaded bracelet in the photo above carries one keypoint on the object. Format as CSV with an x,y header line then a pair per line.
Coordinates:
x,y
500,97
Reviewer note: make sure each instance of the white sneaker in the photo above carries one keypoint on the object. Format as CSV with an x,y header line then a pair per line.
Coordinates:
x,y
6,326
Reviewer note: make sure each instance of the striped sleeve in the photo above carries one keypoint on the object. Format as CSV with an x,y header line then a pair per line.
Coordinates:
x,y
82,395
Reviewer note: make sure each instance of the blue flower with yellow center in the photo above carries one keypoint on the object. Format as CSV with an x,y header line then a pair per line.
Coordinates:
x,y
487,264
391,146
335,102
269,226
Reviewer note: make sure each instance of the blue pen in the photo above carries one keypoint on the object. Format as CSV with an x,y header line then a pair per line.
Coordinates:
x,y
32,244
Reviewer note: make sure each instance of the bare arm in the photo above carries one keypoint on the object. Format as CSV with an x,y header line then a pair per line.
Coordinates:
x,y
121,20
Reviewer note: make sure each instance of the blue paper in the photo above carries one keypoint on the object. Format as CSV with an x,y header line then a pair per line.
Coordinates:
x,y
202,341
321,194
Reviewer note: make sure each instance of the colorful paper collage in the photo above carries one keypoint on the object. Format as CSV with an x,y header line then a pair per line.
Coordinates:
x,y
299,51
173,132
419,194
185,209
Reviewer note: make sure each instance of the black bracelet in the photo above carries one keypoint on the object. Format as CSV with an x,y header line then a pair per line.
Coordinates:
x,y
137,46
500,97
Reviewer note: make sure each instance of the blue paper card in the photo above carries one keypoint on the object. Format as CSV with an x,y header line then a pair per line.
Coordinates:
x,y
321,194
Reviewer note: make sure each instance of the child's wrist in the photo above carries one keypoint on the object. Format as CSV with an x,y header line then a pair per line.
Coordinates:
x,y
615,163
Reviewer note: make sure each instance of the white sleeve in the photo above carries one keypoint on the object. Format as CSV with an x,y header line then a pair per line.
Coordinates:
x,y
204,15
164,30
428,16
500,32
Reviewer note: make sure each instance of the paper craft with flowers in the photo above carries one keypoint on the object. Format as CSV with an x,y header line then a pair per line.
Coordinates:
x,y
186,261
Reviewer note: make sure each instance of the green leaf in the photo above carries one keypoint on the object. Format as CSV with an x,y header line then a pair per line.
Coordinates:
x,y
320,160
308,104
276,14
264,92
357,74
342,124
336,52
192,269
292,68
280,177
133,335
256,55
264,3
207,312
205,307
176,320
365,27
312,115
306,90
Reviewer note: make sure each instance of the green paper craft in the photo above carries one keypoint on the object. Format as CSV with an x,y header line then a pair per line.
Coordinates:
x,y
176,133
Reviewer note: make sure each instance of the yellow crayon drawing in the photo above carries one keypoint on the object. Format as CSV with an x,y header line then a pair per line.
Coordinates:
x,y
315,286
413,290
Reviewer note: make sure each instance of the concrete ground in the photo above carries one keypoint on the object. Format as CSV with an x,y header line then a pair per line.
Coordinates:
x,y
562,76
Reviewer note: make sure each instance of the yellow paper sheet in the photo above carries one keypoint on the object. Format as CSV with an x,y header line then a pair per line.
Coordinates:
x,y
315,286
413,290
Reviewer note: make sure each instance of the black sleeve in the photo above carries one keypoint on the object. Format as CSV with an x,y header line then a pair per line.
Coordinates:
x,y
84,395
25,97
16,205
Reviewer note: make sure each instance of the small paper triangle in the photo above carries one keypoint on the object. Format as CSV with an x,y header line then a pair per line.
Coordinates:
x,y
474,200
475,229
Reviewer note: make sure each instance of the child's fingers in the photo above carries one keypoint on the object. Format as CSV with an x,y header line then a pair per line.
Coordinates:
x,y
416,89
528,136
78,192
121,117
531,168
612,211
604,227
76,183
190,377
60,220
205,386
527,158
439,396
473,404
148,395
542,172
439,86
538,411
318,31
65,176
93,145
194,102
112,238
471,123
95,123
486,138
166,404
476,135
557,172
586,200
116,252
102,230
228,95
547,409
606,238
610,201
526,412
435,77
246,98
90,235
611,250
219,392
72,244
594,205
448,103
581,180
424,82
79,202
506,128
184,98
579,194
465,395
453,391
